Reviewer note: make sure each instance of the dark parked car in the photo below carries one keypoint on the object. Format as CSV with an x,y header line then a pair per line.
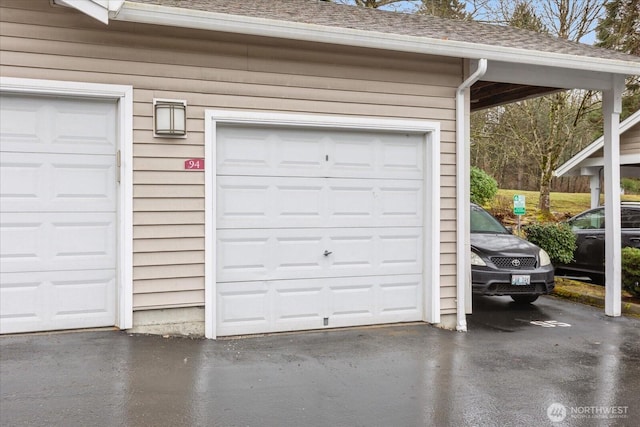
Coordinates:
x,y
504,264
588,259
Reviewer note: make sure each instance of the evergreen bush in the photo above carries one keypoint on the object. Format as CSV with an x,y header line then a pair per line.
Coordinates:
x,y
556,239
631,270
483,186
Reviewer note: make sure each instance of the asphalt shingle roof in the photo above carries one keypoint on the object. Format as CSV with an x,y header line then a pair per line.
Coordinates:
x,y
343,16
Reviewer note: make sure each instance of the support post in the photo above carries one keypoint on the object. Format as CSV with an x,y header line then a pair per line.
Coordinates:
x,y
594,181
612,106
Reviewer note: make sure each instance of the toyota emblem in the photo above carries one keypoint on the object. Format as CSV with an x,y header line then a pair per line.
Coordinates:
x,y
515,262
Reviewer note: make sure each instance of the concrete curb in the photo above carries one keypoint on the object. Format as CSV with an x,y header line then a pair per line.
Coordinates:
x,y
592,298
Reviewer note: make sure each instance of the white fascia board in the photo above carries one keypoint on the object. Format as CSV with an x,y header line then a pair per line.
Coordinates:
x,y
575,161
580,159
97,9
213,21
625,159
545,76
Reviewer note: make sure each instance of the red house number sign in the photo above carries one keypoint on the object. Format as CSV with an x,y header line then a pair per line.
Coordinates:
x,y
194,164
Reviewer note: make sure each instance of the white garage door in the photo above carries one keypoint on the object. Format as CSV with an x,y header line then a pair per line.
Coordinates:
x,y
58,213
317,228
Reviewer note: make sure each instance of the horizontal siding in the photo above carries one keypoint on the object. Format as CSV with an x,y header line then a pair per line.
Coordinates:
x,y
168,271
630,141
168,244
167,231
152,286
168,258
156,218
233,72
159,300
167,205
164,177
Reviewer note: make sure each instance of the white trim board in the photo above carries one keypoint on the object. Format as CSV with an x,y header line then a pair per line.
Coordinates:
x,y
431,131
124,95
582,158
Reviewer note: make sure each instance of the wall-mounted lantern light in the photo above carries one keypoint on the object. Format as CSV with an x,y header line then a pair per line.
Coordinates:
x,y
170,118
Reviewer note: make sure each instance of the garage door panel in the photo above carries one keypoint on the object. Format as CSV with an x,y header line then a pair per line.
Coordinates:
x,y
402,249
32,124
262,151
352,252
297,254
349,300
55,183
297,149
21,181
401,156
276,202
269,254
244,307
296,301
21,245
246,304
276,151
57,300
58,241
19,299
89,180
58,212
84,240
401,298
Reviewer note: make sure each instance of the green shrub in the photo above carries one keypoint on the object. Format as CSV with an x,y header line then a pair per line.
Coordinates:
x,y
631,270
483,186
630,185
557,239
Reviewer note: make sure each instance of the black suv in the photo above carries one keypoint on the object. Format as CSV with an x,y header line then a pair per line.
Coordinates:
x,y
588,259
504,264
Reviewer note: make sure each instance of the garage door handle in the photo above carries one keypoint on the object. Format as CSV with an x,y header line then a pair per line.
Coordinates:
x,y
327,253
591,237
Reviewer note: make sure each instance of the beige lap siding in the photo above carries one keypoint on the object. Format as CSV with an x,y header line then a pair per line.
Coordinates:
x,y
221,71
630,141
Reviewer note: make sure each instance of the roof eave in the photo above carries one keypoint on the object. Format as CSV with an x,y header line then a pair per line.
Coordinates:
x,y
575,161
213,21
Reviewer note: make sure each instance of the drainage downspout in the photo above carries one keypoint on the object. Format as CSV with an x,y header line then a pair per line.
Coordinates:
x,y
463,270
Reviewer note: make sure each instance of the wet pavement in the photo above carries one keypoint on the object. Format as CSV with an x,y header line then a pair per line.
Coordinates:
x,y
505,371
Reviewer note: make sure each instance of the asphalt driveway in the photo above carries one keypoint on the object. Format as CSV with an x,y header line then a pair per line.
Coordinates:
x,y
505,371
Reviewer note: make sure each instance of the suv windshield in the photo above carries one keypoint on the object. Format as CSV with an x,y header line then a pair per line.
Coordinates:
x,y
483,222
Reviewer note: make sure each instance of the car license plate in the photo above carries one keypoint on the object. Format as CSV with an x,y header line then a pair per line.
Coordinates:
x,y
520,279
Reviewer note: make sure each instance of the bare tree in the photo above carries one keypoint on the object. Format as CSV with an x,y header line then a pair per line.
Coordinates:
x,y
398,5
546,129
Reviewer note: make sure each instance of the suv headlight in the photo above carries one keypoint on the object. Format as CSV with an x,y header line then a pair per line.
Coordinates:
x,y
544,258
476,260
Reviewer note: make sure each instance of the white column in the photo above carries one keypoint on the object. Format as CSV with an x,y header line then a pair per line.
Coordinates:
x,y
595,190
612,106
